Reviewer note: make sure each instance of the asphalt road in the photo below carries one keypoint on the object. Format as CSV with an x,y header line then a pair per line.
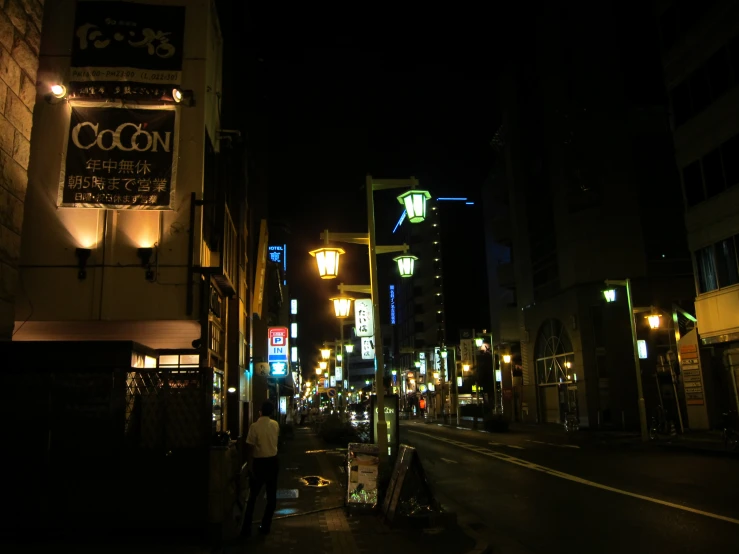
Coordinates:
x,y
530,493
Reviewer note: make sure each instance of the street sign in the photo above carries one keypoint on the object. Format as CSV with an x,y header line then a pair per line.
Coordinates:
x,y
277,346
363,317
331,393
261,368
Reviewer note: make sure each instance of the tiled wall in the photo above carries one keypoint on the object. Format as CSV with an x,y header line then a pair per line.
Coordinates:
x,y
20,38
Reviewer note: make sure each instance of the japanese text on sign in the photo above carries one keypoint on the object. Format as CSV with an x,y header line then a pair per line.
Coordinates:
x,y
363,317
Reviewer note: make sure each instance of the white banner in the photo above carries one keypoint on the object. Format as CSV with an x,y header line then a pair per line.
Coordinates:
x,y
338,374
363,318
368,348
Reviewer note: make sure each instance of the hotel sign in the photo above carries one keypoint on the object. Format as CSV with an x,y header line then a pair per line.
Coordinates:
x,y
120,158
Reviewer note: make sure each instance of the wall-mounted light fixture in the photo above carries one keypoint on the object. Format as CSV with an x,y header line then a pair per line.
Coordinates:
x,y
57,93
144,255
83,254
184,97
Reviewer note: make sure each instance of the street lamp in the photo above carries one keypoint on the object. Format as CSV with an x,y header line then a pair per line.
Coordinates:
x,y
323,365
506,358
327,259
405,264
654,321
414,202
325,353
610,297
349,347
479,341
342,306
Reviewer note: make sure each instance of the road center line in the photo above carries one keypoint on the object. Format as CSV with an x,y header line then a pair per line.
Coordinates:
x,y
576,479
447,460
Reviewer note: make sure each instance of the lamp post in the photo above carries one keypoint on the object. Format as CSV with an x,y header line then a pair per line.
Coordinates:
x,y
342,308
415,205
610,296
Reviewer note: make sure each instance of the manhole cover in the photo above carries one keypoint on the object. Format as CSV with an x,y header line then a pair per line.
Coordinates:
x,y
315,481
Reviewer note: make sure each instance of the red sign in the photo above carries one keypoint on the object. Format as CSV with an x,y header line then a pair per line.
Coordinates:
x,y
507,393
277,336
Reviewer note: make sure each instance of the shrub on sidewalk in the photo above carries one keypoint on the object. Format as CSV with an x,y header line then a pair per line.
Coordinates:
x,y
496,423
335,431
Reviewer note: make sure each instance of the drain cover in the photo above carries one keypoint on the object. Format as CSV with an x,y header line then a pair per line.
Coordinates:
x,y
315,481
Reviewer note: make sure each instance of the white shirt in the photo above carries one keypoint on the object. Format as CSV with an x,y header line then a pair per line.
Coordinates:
x,y
263,436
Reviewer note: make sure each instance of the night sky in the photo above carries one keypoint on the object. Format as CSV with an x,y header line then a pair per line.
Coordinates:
x,y
331,96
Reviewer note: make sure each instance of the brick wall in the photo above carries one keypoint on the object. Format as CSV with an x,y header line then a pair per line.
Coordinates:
x,y
20,38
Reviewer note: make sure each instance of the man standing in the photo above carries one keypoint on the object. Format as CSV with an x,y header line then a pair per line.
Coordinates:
x,y
261,459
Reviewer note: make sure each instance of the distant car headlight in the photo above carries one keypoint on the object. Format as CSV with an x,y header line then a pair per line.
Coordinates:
x,y
352,415
366,414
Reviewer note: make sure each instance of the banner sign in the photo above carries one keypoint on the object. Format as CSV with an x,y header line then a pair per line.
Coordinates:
x,y
368,348
120,158
363,317
126,49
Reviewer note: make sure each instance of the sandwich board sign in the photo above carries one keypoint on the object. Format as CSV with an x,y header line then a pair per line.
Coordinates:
x,y
277,351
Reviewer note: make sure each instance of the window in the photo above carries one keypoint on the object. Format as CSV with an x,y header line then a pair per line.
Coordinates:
x,y
554,353
726,263
418,309
693,183
417,291
713,173
704,261
730,155
419,327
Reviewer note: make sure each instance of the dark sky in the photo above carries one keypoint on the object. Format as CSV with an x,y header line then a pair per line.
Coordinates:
x,y
331,96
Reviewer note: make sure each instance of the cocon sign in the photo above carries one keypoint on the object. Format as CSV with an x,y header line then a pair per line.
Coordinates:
x,y
135,139
120,158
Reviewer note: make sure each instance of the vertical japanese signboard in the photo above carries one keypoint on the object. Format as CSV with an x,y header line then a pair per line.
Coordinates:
x,y
692,380
363,317
126,50
120,158
368,348
277,349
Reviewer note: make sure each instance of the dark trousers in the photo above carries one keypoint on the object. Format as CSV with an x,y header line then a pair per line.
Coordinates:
x,y
264,473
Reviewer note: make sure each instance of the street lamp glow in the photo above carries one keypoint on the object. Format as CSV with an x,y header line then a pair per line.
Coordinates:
x,y
415,204
327,259
654,321
349,347
405,264
319,371
444,354
478,342
325,353
506,358
342,306
610,295
466,367
58,91
322,365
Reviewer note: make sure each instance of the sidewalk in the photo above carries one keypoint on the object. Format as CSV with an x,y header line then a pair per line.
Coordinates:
x,y
312,520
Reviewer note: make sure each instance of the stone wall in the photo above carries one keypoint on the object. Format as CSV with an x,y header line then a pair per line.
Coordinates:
x,y
20,39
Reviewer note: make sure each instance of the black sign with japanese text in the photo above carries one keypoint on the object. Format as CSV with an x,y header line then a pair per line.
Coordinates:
x,y
120,158
126,42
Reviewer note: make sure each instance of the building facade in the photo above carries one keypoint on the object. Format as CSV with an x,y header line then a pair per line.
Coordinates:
x,y
583,162
700,54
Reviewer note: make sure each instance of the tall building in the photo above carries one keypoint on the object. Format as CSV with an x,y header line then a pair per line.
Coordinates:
x,y
700,54
583,192
447,294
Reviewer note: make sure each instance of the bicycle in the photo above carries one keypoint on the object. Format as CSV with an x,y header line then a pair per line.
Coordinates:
x,y
661,425
572,423
729,433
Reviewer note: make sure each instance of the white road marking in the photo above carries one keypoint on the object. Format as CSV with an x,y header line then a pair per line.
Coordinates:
x,y
576,479
515,446
555,444
495,444
448,461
